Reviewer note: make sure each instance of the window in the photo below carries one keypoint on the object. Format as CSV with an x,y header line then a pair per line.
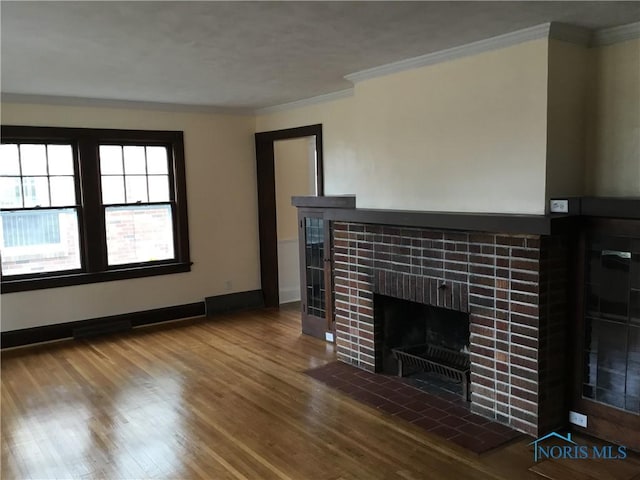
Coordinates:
x,y
84,205
137,200
39,219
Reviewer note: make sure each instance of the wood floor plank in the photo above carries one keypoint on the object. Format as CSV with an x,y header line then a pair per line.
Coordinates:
x,y
223,398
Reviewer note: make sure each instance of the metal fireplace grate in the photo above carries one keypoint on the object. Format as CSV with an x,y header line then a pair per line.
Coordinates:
x,y
442,361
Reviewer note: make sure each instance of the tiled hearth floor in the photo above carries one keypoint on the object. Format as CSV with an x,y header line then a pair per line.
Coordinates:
x,y
437,411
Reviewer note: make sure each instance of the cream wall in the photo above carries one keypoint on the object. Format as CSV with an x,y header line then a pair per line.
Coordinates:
x,y
467,135
613,132
222,202
463,135
566,119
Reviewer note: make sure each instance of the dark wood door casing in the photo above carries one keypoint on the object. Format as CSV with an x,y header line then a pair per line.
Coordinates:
x,y
267,226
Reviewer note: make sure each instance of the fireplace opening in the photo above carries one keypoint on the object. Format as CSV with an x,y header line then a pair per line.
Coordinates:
x,y
426,343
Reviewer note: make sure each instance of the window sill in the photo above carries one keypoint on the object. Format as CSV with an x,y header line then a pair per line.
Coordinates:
x,y
66,280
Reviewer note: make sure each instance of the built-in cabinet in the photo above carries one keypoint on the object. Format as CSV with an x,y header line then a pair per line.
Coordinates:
x,y
316,254
315,274
607,387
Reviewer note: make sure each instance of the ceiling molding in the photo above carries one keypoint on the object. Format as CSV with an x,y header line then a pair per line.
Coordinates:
x,y
570,33
493,43
126,104
327,97
553,30
622,33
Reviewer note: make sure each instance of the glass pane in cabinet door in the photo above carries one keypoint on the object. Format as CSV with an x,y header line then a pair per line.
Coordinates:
x,y
614,284
611,362
611,369
314,256
635,265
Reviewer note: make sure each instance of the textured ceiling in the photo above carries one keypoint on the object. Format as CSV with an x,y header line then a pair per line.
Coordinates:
x,y
246,54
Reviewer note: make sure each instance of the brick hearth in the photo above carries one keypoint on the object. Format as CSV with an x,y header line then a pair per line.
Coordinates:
x,y
514,288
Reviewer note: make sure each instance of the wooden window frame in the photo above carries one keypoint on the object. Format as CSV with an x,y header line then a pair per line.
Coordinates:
x,y
85,144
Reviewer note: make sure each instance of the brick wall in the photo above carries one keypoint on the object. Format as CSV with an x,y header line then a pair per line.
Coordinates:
x,y
512,286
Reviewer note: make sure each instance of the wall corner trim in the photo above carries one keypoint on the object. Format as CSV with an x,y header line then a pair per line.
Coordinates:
x,y
609,36
486,45
327,97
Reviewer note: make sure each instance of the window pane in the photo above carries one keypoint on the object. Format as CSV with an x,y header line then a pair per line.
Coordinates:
x,y
63,191
159,188
35,191
139,234
110,159
33,159
157,160
60,159
136,189
134,160
9,162
39,241
113,189
10,192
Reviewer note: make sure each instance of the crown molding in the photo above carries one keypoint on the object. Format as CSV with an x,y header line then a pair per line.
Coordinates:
x,y
493,43
327,97
553,30
128,104
570,33
609,36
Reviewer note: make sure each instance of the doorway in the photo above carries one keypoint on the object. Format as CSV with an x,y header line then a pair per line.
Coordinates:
x,y
267,204
295,175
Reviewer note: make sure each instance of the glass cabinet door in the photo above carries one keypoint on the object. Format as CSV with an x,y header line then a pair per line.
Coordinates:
x,y
314,265
315,275
611,361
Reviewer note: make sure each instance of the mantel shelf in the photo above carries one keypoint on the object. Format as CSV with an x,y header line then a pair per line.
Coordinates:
x,y
342,208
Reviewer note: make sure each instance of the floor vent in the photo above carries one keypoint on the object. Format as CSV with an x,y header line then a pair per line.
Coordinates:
x,y
102,329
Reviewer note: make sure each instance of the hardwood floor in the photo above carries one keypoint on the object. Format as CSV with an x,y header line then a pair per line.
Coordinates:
x,y
219,398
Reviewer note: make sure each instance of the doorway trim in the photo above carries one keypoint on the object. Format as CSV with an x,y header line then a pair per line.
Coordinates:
x,y
266,182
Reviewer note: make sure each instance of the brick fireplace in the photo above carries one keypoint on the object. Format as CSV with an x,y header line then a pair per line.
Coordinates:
x,y
514,288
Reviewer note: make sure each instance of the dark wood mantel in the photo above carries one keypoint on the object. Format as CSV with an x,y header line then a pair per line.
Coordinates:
x,y
343,208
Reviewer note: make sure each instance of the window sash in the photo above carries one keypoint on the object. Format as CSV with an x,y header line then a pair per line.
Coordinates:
x,y
57,244
132,245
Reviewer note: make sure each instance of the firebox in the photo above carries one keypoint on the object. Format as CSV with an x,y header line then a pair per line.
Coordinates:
x,y
408,324
418,339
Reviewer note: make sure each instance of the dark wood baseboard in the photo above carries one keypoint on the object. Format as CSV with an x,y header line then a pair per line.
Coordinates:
x,y
234,301
47,333
125,321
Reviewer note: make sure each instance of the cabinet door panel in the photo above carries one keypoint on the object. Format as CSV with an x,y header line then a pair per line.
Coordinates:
x,y
315,275
608,344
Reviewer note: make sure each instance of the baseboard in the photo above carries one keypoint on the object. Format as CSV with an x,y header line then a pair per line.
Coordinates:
x,y
234,301
59,331
47,333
